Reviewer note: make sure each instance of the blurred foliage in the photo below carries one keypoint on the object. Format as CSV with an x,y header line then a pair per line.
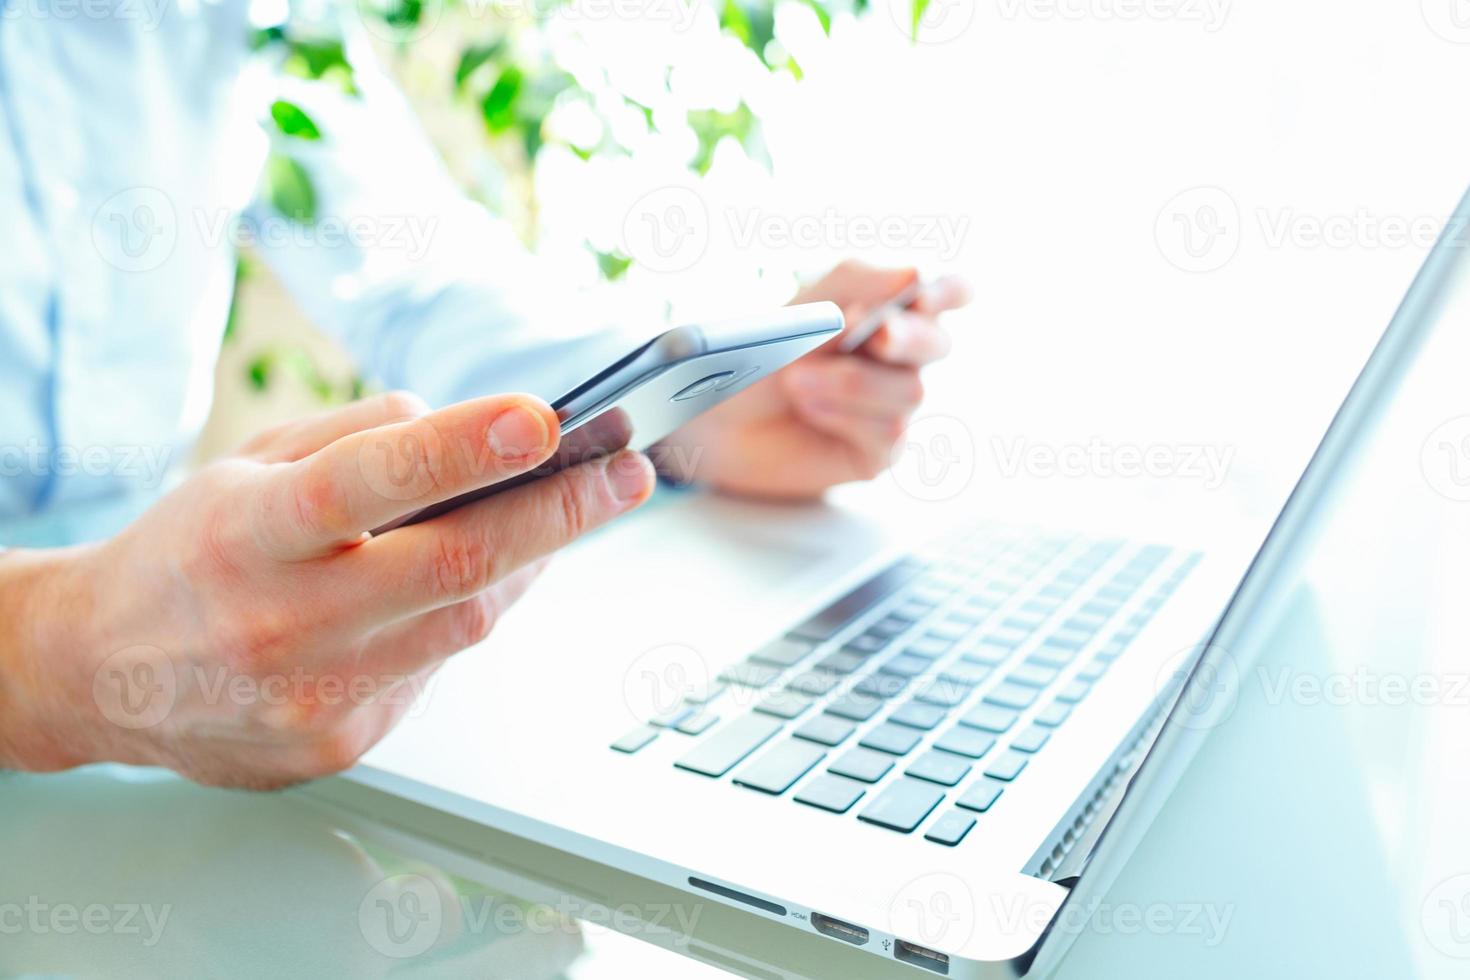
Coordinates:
x,y
511,87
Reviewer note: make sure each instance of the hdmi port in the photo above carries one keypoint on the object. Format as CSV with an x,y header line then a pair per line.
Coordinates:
x,y
837,929
929,959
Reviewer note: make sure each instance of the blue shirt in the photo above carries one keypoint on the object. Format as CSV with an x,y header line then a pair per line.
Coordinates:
x,y
130,152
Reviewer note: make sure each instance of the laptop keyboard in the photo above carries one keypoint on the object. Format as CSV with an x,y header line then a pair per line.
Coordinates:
x,y
937,679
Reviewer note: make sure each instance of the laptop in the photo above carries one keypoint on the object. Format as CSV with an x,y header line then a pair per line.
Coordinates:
x,y
841,752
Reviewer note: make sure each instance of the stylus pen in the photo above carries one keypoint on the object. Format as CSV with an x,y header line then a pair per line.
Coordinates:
x,y
860,334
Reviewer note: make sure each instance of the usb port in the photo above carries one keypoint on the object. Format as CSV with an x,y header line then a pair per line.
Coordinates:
x,y
919,956
837,929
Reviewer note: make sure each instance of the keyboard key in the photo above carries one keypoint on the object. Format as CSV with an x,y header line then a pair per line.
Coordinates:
x,y
840,663
697,724
1053,714
981,796
835,793
1011,696
990,718
863,764
883,686
719,752
1032,739
965,741
911,610
833,619
782,653
705,692
784,704
1073,691
750,674
636,739
950,829
928,647
1007,765
778,769
1069,638
889,627
949,629
905,666
1113,648
943,693
1092,670
1055,657
865,644
855,706
902,806
672,718
825,729
813,683
1032,675
965,673
917,715
987,653
893,739
939,767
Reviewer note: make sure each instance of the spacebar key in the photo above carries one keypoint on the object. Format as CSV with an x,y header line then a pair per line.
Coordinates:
x,y
717,754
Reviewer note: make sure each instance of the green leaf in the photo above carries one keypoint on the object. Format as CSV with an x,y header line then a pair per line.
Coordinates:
x,y
232,321
472,58
824,17
753,25
612,265
292,120
710,126
258,371
920,6
647,111
289,188
498,106
401,13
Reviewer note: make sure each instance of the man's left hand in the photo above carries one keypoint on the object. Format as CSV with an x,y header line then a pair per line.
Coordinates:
x,y
831,417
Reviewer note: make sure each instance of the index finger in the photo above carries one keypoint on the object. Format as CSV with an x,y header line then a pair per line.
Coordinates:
x,y
330,499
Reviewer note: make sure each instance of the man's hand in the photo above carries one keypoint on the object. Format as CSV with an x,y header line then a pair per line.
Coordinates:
x,y
831,417
247,631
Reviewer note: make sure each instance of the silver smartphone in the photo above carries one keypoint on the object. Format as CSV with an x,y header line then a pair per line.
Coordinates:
x,y
652,391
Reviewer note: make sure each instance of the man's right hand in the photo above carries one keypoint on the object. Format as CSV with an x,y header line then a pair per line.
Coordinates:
x,y
248,631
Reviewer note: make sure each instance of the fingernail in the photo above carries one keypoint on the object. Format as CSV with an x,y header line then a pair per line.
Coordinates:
x,y
629,474
517,432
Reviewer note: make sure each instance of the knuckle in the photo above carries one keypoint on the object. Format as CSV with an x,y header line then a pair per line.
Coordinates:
x,y
474,621
573,505
317,504
334,752
402,405
462,566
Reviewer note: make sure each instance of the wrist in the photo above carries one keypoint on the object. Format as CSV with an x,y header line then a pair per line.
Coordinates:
x,y
45,723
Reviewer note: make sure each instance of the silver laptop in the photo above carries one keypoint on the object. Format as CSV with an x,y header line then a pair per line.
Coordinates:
x,y
837,757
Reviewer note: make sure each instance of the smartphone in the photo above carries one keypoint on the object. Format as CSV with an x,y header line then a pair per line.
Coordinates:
x,y
869,324
644,396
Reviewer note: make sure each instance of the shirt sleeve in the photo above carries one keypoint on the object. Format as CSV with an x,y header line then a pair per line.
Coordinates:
x,y
426,289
